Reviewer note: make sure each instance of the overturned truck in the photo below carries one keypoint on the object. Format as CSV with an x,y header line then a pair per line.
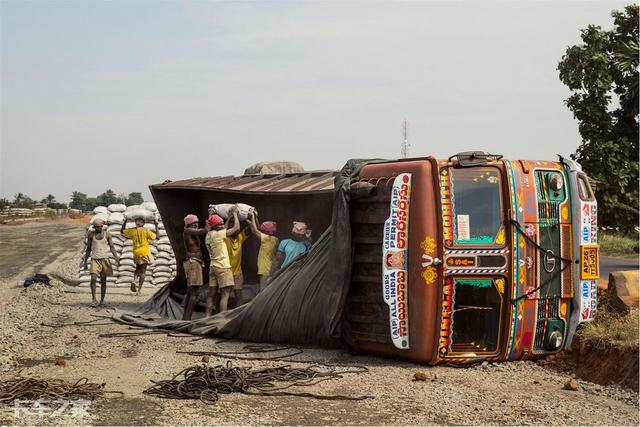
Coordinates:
x,y
458,260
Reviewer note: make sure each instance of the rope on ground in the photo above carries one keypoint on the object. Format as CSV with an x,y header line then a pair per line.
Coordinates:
x,y
249,350
206,383
77,323
23,388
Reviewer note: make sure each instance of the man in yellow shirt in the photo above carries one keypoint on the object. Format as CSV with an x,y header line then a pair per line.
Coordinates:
x,y
268,245
220,275
234,242
141,252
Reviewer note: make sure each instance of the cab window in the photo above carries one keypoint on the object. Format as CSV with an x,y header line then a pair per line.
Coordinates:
x,y
584,189
477,207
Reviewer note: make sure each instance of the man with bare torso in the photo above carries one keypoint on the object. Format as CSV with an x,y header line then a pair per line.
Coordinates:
x,y
99,245
193,263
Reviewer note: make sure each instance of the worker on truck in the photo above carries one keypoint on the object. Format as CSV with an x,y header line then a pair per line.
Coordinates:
x,y
99,244
194,263
268,245
234,242
140,235
289,249
220,275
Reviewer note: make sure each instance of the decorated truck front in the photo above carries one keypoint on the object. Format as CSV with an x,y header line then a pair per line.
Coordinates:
x,y
472,258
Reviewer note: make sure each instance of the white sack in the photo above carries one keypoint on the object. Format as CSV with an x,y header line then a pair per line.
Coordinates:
x,y
116,207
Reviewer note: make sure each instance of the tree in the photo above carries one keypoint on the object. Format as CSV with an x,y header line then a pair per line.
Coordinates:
x,y
602,74
56,205
107,198
134,199
78,201
21,200
49,199
4,204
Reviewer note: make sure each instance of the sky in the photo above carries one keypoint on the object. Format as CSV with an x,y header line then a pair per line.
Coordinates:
x,y
123,94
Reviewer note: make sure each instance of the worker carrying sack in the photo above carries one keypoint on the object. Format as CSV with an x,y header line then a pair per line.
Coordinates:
x,y
223,209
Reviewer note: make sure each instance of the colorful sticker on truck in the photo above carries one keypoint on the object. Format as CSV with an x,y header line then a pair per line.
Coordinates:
x,y
588,260
394,260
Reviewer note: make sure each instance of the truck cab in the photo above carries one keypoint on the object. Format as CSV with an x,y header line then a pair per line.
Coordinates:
x,y
471,258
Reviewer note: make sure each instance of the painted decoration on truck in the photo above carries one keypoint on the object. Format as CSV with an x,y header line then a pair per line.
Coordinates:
x,y
395,254
588,246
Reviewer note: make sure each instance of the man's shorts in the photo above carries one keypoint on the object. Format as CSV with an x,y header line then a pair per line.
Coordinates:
x,y
101,266
238,281
193,272
144,259
220,277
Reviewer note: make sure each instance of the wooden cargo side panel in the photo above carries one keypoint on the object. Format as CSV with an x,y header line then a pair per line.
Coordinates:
x,y
366,314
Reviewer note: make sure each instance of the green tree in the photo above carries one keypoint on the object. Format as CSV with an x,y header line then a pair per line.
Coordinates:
x,y
49,199
108,197
4,203
602,74
56,205
78,201
21,200
134,199
91,203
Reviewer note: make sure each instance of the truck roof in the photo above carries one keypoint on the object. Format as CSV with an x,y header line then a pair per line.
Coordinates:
x,y
305,182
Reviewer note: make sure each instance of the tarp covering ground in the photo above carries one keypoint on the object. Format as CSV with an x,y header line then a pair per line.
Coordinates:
x,y
302,304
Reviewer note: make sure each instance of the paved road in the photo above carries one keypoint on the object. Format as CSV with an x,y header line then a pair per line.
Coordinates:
x,y
610,264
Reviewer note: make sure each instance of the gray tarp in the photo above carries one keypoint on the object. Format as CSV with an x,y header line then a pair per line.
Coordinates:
x,y
302,304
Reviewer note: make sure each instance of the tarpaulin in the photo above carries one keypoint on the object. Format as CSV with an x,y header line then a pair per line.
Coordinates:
x,y
302,304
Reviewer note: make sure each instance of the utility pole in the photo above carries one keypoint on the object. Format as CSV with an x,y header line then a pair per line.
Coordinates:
x,y
404,148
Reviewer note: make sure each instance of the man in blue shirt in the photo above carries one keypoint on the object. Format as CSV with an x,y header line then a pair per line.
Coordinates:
x,y
299,243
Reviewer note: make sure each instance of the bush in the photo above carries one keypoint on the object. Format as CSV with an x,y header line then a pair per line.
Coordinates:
x,y
612,328
617,244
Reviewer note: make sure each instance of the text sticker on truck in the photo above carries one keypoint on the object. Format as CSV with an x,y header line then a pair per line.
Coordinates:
x,y
394,260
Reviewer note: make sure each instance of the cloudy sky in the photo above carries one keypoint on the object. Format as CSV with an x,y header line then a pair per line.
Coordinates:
x,y
121,95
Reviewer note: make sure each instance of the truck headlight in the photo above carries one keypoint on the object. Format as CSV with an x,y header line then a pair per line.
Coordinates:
x,y
556,182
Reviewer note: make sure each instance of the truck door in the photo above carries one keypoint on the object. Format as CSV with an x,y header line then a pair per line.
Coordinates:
x,y
475,264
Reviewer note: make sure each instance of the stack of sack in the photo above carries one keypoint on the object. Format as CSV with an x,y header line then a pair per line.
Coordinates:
x,y
163,270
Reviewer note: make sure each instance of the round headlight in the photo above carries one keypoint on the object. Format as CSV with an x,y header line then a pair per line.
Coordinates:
x,y
555,340
556,182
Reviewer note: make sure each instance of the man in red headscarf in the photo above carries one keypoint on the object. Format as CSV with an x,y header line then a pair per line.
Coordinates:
x,y
220,275
193,264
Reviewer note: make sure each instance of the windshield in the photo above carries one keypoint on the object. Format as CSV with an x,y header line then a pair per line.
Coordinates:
x,y
477,206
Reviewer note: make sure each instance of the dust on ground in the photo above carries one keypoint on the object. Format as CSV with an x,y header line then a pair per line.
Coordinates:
x,y
507,393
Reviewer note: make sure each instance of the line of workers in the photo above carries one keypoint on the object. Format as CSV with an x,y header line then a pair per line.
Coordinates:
x,y
224,242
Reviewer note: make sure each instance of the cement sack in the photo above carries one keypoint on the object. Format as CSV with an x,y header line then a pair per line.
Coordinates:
x,y
274,167
164,241
162,261
114,228
115,218
223,210
115,207
139,213
162,269
101,209
127,268
154,250
165,248
165,255
150,206
162,274
151,227
100,215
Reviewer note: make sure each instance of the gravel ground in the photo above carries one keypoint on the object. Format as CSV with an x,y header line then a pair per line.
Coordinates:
x,y
507,393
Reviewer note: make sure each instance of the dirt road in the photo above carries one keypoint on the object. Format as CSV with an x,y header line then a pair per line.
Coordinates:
x,y
508,393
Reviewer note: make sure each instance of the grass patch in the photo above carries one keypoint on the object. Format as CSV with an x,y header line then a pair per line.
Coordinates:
x,y
611,328
617,245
